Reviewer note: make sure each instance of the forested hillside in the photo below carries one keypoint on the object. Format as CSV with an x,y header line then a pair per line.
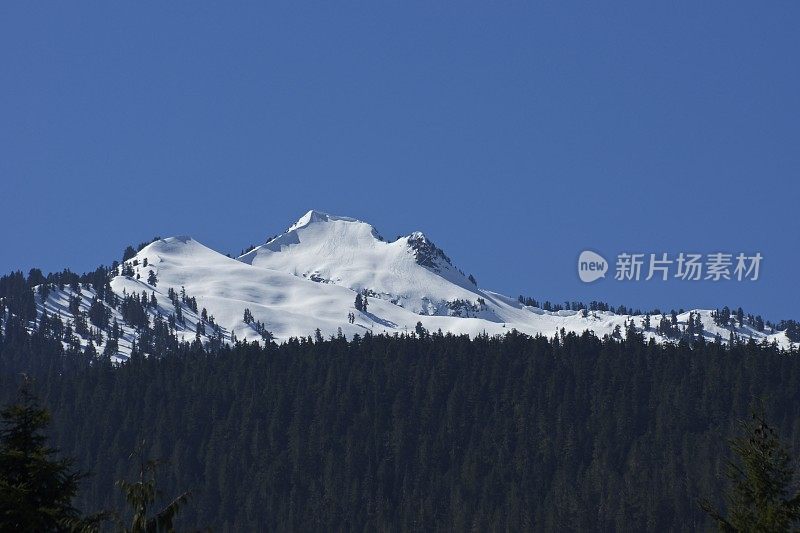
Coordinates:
x,y
427,431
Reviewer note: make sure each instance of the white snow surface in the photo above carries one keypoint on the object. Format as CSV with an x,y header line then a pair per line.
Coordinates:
x,y
347,252
307,279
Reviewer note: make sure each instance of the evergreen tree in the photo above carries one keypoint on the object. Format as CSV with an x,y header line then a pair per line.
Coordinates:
x,y
359,303
630,330
74,305
44,291
791,328
179,313
36,489
128,253
723,317
199,330
99,314
762,496
141,496
698,326
151,278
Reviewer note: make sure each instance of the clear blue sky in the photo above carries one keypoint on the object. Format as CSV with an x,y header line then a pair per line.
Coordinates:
x,y
514,136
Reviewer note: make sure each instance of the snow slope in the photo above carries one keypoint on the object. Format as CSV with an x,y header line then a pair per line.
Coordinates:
x,y
411,271
307,279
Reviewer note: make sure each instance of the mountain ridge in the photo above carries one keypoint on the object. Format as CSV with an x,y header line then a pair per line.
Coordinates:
x,y
306,280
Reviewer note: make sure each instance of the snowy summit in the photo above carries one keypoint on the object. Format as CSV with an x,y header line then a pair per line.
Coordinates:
x,y
309,278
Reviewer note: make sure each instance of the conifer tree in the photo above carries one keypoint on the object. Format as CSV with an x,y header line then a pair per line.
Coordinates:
x,y
128,253
36,489
141,495
44,291
698,325
761,496
359,303
35,277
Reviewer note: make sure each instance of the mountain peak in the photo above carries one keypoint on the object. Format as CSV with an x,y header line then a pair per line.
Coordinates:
x,y
168,244
314,216
426,253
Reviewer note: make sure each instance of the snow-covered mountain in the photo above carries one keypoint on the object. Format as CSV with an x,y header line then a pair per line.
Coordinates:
x,y
410,272
308,277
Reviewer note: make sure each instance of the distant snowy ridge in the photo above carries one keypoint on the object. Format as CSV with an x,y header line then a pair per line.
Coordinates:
x,y
307,278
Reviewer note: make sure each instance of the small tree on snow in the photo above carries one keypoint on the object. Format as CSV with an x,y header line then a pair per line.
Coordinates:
x,y
359,303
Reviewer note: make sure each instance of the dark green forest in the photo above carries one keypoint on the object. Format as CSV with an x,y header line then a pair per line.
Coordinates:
x,y
418,432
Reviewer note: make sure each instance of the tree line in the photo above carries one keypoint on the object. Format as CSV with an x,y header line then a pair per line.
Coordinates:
x,y
419,431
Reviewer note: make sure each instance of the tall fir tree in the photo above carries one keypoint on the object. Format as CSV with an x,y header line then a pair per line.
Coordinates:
x,y
36,489
763,495
141,495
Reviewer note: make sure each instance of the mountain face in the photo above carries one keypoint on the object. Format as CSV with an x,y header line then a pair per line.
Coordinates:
x,y
307,279
410,272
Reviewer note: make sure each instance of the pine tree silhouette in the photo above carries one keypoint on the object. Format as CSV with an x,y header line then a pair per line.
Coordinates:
x,y
762,496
